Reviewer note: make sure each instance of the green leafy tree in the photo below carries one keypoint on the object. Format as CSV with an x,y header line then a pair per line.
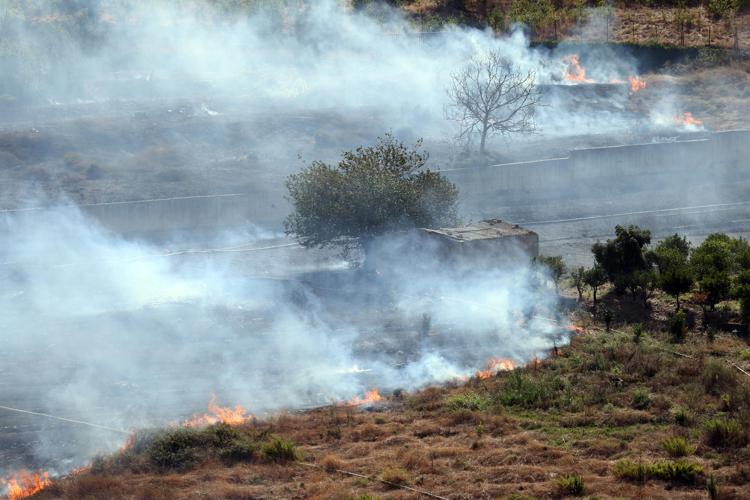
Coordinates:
x,y
579,281
675,273
371,191
623,256
713,262
555,265
595,277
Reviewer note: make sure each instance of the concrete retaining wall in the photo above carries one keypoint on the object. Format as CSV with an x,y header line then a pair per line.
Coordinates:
x,y
723,154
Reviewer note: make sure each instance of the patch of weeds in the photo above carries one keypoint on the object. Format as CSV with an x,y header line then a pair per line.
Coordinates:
x,y
280,450
471,401
677,447
722,432
395,475
570,484
181,448
682,416
519,389
745,354
679,471
379,419
717,377
641,399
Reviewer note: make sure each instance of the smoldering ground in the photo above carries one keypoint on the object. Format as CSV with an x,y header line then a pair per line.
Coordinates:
x,y
108,331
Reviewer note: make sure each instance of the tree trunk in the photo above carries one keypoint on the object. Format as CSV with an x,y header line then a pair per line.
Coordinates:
x,y
484,140
677,297
594,290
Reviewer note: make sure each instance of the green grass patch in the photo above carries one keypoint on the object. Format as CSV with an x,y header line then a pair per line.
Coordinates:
x,y
677,447
472,401
723,432
679,471
570,484
280,450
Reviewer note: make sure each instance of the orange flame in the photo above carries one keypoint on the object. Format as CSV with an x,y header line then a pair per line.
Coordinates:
x,y
495,365
574,71
578,330
687,119
636,83
218,414
23,484
371,396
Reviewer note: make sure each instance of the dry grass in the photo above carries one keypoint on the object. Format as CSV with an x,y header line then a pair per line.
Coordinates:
x,y
696,412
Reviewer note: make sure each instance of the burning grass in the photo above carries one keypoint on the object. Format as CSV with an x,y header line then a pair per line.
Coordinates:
x,y
640,420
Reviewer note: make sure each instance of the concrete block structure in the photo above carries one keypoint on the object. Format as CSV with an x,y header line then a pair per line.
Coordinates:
x,y
491,239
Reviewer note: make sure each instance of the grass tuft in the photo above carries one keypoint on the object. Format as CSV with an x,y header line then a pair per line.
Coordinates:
x,y
677,447
570,484
280,450
679,471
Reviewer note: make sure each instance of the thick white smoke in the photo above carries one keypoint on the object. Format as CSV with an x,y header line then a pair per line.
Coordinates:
x,y
119,335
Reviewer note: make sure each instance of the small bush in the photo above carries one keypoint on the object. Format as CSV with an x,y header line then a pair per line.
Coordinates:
x,y
641,399
717,377
280,451
721,432
379,419
678,471
176,448
331,463
570,484
519,389
677,447
678,326
637,333
182,447
467,401
395,475
681,416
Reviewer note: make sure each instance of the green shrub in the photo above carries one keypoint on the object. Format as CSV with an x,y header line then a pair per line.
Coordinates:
x,y
279,450
677,447
637,333
678,326
681,416
679,471
183,447
379,419
519,389
467,401
570,484
641,399
176,448
722,432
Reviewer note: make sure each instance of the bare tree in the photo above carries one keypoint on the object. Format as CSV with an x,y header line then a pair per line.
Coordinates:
x,y
490,95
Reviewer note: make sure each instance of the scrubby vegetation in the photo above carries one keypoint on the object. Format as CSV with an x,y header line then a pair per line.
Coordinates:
x,y
621,412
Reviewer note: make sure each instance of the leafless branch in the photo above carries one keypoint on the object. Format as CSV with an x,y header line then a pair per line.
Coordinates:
x,y
490,95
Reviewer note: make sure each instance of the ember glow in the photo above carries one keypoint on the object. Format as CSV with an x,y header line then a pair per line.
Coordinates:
x,y
687,119
218,414
372,396
495,365
574,72
24,484
636,83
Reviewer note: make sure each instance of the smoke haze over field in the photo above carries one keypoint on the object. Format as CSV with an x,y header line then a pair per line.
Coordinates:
x,y
121,333
315,55
123,337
